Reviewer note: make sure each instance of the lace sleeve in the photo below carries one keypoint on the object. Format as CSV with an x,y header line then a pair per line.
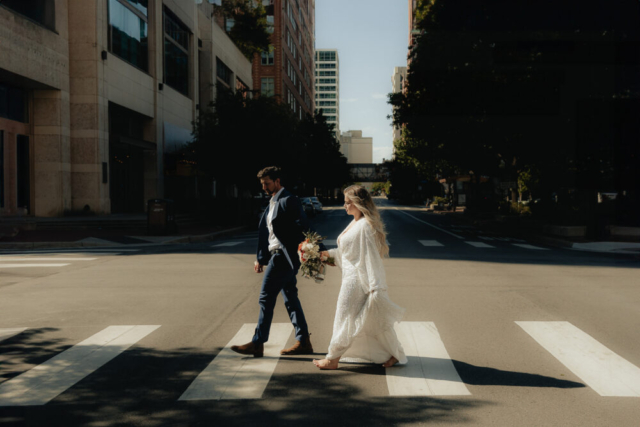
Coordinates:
x,y
336,254
369,266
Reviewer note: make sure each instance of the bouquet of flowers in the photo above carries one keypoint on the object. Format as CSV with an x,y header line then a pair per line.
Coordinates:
x,y
312,262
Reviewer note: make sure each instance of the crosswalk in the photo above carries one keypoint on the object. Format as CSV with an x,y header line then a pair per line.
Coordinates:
x,y
430,370
506,242
54,259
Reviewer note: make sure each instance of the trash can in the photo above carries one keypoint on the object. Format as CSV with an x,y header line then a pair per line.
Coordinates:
x,y
160,216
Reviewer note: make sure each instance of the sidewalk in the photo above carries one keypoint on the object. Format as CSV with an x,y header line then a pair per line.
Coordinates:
x,y
533,232
116,237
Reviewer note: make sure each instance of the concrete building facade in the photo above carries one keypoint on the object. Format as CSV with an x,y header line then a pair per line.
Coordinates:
x,y
95,93
327,77
356,148
286,71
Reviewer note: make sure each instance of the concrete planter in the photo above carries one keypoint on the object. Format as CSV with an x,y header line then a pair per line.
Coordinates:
x,y
615,230
566,230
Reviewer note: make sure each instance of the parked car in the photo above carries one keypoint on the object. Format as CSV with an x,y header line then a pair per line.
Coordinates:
x,y
307,206
316,204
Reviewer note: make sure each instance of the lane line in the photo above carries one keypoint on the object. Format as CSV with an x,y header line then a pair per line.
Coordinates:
x,y
227,244
10,258
7,333
603,370
44,382
479,245
430,371
485,238
31,265
330,242
525,246
430,243
430,225
233,376
106,251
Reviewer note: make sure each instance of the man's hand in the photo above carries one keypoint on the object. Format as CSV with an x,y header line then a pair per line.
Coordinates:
x,y
257,267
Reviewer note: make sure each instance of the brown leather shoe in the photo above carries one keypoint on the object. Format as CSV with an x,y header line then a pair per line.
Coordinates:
x,y
300,347
251,349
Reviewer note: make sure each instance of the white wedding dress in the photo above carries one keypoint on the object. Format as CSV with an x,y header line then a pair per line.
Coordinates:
x,y
363,327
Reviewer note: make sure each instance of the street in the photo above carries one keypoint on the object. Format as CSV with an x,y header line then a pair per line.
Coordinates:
x,y
499,332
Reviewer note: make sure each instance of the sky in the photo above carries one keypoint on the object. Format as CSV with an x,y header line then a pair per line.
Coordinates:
x,y
372,38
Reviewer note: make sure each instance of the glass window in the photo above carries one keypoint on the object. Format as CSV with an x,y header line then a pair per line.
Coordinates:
x,y
270,24
176,53
326,95
326,73
223,72
128,32
267,87
326,65
13,104
327,81
326,88
228,24
331,118
268,57
328,110
40,11
326,56
23,172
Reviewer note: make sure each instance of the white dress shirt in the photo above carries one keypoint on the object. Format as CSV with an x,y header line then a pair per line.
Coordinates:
x,y
274,243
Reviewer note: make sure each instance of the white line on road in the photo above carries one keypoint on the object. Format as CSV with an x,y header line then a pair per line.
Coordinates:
x,y
430,371
525,246
330,242
43,383
479,245
602,369
485,238
106,251
430,225
234,376
9,258
430,243
31,265
10,332
227,244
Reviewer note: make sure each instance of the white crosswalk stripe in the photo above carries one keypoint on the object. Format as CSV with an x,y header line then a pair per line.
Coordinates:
x,y
233,376
526,246
10,332
32,265
430,243
330,242
430,371
479,245
228,244
10,258
602,369
43,383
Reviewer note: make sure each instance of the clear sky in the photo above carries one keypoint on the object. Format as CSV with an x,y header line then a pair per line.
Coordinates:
x,y
371,37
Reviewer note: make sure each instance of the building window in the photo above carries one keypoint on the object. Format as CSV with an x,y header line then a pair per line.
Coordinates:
x,y
23,172
13,104
326,66
327,103
326,73
326,95
328,110
268,57
176,53
327,81
326,56
128,32
331,118
41,11
228,24
326,88
267,86
270,24
223,72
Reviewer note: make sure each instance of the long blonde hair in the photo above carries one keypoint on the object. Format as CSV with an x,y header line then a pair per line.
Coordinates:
x,y
362,200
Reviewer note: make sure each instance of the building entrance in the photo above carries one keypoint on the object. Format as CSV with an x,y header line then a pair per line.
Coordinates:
x,y
127,178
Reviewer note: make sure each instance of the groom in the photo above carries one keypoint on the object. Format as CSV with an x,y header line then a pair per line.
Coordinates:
x,y
280,232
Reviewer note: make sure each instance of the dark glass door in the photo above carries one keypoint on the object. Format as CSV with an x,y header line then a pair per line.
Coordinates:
x,y
24,173
127,178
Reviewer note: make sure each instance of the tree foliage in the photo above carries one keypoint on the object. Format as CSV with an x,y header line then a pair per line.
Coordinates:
x,y
236,137
250,28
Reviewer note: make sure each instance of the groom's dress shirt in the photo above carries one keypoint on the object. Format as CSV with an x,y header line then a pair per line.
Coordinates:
x,y
274,243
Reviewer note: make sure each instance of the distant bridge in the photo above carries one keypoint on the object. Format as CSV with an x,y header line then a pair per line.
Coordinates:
x,y
368,172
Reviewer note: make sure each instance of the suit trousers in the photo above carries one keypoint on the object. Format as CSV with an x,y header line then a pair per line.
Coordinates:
x,y
279,277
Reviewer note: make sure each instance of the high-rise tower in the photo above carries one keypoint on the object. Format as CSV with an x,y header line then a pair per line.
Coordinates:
x,y
328,86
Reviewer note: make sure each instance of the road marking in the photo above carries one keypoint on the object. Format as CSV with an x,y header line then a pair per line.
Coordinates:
x,y
227,244
521,245
479,245
430,371
30,265
330,242
233,376
430,225
9,258
485,238
602,369
107,251
430,243
44,382
10,332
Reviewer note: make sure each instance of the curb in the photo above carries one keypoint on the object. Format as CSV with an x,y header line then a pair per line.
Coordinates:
x,y
180,240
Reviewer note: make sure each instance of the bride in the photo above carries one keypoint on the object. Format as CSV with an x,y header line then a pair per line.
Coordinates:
x,y
363,326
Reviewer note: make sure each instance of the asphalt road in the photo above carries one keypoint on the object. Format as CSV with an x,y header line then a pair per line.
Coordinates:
x,y
501,332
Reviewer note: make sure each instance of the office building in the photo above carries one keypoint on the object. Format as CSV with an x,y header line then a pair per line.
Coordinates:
x,y
356,148
328,86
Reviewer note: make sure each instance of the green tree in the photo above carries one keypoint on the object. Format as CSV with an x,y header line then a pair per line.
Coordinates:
x,y
250,29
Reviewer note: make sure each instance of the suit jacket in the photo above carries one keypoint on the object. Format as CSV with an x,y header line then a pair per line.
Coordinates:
x,y
289,222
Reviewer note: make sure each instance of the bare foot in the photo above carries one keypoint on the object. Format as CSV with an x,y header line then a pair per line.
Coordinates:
x,y
389,363
326,364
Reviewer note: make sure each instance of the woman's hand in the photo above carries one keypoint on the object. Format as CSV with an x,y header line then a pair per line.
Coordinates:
x,y
325,255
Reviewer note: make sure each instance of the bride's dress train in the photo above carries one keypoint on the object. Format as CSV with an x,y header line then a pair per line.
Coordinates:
x,y
363,327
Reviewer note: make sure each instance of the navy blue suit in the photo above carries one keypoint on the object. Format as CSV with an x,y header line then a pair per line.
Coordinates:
x,y
289,223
